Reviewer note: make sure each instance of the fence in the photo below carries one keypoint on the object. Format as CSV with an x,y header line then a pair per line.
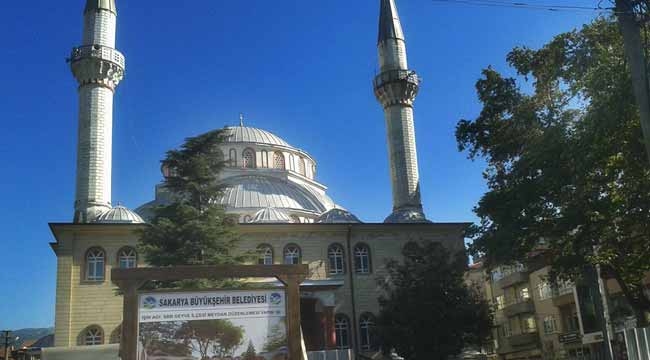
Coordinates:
x,y
344,354
637,343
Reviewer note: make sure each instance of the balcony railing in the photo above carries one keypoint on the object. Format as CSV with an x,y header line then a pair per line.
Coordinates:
x,y
342,354
390,76
518,306
99,52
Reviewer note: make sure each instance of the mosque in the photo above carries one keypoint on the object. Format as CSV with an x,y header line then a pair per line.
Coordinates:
x,y
271,185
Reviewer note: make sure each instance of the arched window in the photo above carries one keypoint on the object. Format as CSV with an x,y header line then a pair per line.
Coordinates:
x,y
127,258
232,157
247,219
366,331
265,255
342,328
93,335
278,160
265,159
292,254
336,259
116,335
248,158
301,166
362,259
295,219
95,262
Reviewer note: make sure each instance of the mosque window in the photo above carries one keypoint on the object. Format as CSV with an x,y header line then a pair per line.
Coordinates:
x,y
116,335
248,158
127,258
292,254
292,165
295,219
93,335
362,259
342,328
336,259
95,261
366,331
265,159
278,160
301,167
232,157
247,219
265,255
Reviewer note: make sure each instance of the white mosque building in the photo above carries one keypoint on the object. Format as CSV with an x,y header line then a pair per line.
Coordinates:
x,y
272,187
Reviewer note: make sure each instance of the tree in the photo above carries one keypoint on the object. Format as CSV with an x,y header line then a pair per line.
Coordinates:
x,y
428,311
193,228
220,337
276,338
566,167
250,353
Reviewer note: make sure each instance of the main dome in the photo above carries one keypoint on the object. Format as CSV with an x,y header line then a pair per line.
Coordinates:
x,y
245,134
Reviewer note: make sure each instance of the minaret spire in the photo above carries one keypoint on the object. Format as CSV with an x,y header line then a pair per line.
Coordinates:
x,y
396,88
98,68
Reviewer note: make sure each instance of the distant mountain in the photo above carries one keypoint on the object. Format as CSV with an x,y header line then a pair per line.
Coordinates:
x,y
30,334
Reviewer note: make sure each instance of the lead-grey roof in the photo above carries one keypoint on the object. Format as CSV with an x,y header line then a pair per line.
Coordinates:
x,y
271,216
337,216
252,135
390,26
119,215
246,192
100,4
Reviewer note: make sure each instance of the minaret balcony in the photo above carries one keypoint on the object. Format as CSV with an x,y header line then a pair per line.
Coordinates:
x,y
99,52
396,76
396,87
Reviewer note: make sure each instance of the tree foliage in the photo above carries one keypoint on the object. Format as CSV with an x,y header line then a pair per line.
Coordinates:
x,y
192,228
217,337
428,311
566,167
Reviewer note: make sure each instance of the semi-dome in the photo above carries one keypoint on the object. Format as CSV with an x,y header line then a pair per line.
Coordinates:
x,y
250,192
119,215
270,216
337,216
245,134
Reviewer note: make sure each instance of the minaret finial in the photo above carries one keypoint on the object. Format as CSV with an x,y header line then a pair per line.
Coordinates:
x,y
241,119
390,26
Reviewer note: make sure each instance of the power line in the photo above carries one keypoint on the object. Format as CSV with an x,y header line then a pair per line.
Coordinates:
x,y
523,5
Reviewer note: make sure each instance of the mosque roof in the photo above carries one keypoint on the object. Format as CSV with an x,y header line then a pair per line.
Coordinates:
x,y
254,191
119,214
337,216
252,135
270,215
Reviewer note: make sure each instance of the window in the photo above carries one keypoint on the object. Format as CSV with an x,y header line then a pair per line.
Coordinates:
x,y
95,259
366,329
116,335
232,157
246,219
362,259
550,325
342,329
571,323
248,159
295,219
528,325
265,255
93,335
500,302
292,255
544,291
336,259
278,160
292,162
523,294
265,159
127,258
301,166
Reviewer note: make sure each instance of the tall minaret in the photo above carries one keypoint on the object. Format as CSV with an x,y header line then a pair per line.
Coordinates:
x,y
395,88
98,68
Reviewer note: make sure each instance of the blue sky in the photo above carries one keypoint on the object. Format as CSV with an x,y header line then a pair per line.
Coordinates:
x,y
300,69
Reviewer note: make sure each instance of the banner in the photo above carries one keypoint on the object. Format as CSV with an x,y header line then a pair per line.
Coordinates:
x,y
214,325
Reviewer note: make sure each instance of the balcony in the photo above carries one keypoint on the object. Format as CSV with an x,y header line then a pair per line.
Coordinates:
x,y
563,295
513,279
523,339
519,306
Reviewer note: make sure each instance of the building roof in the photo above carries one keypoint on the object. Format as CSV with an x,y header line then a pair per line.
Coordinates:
x,y
251,191
390,26
119,214
270,215
337,216
100,4
247,134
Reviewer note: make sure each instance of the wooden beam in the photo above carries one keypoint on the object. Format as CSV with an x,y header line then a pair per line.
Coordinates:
x,y
206,272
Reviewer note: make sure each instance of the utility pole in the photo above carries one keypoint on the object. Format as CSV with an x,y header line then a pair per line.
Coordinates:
x,y
7,332
630,29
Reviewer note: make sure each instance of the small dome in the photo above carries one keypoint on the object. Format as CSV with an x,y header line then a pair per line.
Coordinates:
x,y
119,215
337,216
270,215
235,134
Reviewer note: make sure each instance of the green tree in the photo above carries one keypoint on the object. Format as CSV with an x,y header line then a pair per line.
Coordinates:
x,y
250,353
426,289
217,336
566,167
276,338
193,228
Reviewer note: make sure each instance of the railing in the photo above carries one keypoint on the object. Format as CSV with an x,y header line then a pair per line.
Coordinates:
x,y
390,76
99,52
341,354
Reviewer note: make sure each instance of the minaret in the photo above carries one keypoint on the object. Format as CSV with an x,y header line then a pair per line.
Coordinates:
x,y
98,68
395,88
